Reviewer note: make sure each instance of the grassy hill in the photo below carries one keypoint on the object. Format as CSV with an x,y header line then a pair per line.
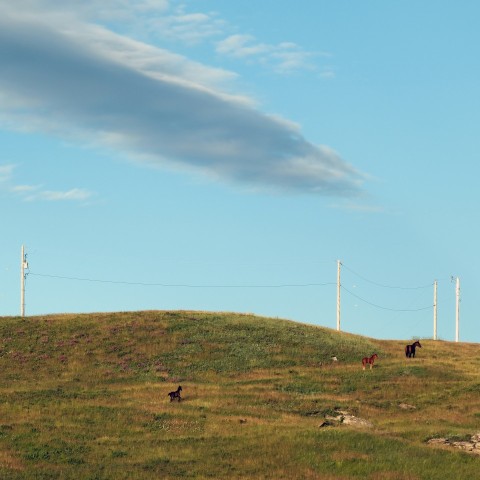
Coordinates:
x,y
85,397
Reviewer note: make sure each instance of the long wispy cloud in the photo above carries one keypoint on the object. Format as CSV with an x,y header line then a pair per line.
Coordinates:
x,y
36,193
285,57
78,79
30,193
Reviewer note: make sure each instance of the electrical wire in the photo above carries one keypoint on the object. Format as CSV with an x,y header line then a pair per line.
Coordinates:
x,y
183,285
383,285
386,308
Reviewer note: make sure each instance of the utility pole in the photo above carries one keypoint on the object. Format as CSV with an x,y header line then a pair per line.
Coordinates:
x,y
435,310
457,315
23,266
339,263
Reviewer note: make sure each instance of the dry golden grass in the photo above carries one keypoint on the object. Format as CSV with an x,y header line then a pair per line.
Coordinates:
x,y
85,396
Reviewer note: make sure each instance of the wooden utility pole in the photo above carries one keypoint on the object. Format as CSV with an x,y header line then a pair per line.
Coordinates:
x,y
435,310
23,266
339,263
457,309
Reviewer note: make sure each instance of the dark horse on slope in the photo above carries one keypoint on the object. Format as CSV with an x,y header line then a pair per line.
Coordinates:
x,y
175,395
410,349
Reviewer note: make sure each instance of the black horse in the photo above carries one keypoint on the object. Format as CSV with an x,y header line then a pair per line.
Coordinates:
x,y
410,349
175,395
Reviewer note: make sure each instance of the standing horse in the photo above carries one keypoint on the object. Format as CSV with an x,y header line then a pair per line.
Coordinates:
x,y
410,349
369,360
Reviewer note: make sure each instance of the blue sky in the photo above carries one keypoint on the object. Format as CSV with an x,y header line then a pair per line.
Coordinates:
x,y
222,156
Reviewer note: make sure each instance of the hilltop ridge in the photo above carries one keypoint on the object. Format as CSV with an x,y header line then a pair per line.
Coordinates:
x,y
86,395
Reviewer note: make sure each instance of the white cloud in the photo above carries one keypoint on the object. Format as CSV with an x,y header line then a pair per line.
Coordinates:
x,y
327,72
292,59
106,10
190,28
24,189
359,207
166,20
6,172
37,192
32,193
285,57
82,81
75,194
146,59
242,46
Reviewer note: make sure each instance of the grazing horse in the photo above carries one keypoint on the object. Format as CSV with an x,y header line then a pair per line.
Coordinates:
x,y
176,394
369,360
410,349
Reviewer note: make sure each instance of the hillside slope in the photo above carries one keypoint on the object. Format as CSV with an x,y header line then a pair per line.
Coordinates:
x,y
85,396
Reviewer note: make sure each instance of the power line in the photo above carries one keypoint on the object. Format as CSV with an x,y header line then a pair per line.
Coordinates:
x,y
182,285
386,308
383,285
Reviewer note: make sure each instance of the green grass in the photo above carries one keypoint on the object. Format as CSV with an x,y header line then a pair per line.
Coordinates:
x,y
85,396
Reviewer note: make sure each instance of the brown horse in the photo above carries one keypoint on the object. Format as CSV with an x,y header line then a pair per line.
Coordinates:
x,y
369,360
410,349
